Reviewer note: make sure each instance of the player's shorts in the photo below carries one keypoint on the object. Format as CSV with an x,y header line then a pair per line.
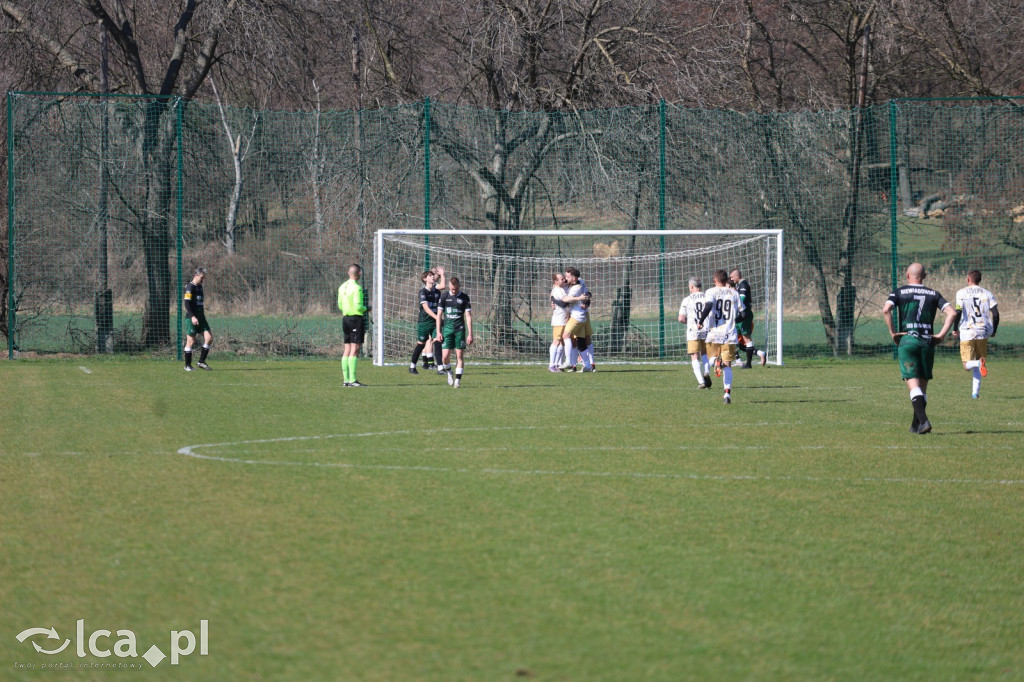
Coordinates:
x,y
726,351
425,330
454,340
697,346
973,350
746,327
579,329
354,327
916,358
196,329
556,332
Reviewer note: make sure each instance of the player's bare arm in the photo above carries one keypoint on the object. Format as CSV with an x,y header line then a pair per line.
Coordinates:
x,y
950,314
469,328
887,316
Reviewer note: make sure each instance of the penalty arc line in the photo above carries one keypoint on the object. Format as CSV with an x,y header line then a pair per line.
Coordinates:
x,y
193,452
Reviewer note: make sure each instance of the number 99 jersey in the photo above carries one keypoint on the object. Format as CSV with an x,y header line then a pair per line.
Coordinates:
x,y
726,308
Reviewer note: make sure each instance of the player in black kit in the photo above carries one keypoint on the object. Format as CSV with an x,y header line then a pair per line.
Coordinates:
x,y
430,294
195,311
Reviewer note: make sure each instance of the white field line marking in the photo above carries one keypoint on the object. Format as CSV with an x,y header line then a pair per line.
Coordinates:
x,y
192,451
85,369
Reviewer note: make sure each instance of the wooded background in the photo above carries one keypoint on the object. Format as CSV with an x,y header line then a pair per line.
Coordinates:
x,y
239,64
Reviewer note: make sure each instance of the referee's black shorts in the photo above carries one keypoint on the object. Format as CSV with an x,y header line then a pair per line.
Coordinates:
x,y
354,327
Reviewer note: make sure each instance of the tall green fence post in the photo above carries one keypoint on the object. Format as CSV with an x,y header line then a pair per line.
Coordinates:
x,y
894,173
11,326
426,182
661,226
180,238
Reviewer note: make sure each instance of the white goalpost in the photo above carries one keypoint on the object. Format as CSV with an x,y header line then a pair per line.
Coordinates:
x,y
637,279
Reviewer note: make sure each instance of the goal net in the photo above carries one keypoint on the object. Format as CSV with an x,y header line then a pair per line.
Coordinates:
x,y
637,280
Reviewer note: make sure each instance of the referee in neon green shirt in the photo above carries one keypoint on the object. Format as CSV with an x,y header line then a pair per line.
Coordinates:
x,y
353,322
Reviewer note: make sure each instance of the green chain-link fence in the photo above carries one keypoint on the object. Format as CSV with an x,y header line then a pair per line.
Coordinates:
x,y
113,201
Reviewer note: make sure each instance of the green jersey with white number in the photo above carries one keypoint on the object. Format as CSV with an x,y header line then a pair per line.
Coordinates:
x,y
917,306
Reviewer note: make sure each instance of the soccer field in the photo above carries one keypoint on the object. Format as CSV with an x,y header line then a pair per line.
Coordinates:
x,y
619,526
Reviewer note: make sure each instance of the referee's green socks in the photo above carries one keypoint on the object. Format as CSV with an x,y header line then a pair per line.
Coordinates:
x,y
348,368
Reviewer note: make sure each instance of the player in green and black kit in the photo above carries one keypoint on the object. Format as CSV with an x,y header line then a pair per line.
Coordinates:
x,y
917,305
454,329
195,311
430,294
745,326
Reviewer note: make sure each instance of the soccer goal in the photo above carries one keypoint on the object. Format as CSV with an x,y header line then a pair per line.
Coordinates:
x,y
637,279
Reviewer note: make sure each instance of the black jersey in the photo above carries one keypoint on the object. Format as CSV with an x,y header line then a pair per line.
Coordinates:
x,y
453,311
746,297
194,300
743,289
430,297
917,306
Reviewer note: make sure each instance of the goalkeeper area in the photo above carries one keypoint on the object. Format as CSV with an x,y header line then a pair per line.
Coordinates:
x,y
613,526
637,279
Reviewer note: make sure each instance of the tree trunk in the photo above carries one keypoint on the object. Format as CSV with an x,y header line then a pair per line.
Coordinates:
x,y
846,302
158,146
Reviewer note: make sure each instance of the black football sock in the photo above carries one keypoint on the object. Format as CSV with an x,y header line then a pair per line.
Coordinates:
x,y
203,353
416,353
188,357
750,353
918,402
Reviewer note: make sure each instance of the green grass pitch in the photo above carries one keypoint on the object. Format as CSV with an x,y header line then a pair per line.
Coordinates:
x,y
615,526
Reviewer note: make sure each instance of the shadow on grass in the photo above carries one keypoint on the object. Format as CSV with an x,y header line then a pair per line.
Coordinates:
x,y
787,402
972,432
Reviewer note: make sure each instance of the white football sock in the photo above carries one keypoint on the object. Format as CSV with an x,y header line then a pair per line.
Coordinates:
x,y
698,371
972,364
727,376
569,350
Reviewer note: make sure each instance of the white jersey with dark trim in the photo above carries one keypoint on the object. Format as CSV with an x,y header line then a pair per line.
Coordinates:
x,y
560,312
578,312
726,306
975,305
691,308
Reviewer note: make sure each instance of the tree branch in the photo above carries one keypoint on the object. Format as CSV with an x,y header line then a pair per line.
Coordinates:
x,y
63,56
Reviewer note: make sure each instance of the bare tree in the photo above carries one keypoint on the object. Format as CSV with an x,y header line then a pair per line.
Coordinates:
x,y
238,154
169,66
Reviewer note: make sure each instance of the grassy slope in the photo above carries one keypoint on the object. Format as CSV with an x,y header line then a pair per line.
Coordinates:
x,y
799,533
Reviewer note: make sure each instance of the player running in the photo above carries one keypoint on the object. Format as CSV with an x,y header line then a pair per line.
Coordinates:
x,y
196,313
430,294
689,314
977,318
454,329
722,307
917,305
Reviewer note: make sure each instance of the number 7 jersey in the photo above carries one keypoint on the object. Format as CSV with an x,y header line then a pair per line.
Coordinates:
x,y
975,305
917,306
